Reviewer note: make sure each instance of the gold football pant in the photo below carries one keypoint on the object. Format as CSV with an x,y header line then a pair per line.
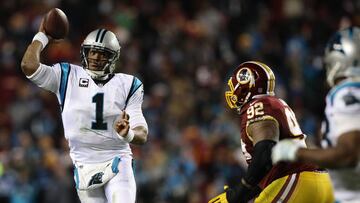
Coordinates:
x,y
304,187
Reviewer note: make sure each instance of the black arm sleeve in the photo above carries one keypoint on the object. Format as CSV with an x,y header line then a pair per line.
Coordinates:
x,y
261,162
259,166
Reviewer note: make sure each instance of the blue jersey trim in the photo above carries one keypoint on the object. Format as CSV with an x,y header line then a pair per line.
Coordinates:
x,y
76,174
114,165
133,165
136,83
338,88
65,71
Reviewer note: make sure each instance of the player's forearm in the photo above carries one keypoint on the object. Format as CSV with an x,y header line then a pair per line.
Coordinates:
x,y
345,154
260,165
140,136
31,59
261,162
329,158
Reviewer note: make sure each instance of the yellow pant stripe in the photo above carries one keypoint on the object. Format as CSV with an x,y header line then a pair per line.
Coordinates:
x,y
287,189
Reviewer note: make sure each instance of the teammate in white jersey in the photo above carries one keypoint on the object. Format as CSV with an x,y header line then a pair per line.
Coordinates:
x,y
342,62
101,113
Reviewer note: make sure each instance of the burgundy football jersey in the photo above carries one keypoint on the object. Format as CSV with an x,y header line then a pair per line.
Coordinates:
x,y
264,107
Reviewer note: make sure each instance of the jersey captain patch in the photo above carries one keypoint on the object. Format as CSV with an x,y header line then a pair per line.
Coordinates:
x,y
83,82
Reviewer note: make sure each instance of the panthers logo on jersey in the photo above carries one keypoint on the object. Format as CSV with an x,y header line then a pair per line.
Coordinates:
x,y
96,179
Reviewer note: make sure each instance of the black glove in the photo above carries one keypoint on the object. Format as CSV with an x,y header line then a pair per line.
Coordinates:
x,y
241,193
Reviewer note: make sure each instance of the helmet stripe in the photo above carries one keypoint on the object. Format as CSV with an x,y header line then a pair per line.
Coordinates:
x,y
98,35
102,36
270,75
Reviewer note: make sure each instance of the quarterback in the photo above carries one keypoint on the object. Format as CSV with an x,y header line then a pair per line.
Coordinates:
x,y
101,113
264,120
342,63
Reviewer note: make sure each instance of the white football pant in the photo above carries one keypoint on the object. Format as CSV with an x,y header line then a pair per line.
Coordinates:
x,y
120,189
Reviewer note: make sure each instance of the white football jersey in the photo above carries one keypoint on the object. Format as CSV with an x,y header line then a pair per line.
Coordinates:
x,y
89,111
343,115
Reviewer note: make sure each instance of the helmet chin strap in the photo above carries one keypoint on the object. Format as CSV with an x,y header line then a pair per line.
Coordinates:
x,y
97,75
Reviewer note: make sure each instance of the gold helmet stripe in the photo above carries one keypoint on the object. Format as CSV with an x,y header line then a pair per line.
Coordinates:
x,y
270,75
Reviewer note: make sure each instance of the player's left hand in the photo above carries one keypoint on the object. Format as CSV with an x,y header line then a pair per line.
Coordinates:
x,y
237,194
285,150
221,198
122,125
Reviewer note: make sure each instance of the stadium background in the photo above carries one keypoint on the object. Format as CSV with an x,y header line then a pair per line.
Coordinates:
x,y
183,51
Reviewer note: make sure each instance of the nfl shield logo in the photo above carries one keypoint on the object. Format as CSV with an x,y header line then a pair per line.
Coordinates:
x,y
83,82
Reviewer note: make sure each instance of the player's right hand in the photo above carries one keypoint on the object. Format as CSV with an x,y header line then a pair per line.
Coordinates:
x,y
285,150
42,28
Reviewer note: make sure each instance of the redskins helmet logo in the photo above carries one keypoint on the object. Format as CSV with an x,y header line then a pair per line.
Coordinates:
x,y
245,76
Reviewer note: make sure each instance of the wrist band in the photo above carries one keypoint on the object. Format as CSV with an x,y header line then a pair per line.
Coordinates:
x,y
130,136
42,38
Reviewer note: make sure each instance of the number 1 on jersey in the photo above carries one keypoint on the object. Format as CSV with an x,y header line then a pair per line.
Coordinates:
x,y
98,99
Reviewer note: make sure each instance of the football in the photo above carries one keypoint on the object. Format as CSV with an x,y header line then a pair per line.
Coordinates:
x,y
56,24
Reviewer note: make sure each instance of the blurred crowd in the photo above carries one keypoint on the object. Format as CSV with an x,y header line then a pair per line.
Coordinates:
x,y
184,52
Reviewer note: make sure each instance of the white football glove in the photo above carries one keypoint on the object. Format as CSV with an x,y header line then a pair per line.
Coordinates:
x,y
285,150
